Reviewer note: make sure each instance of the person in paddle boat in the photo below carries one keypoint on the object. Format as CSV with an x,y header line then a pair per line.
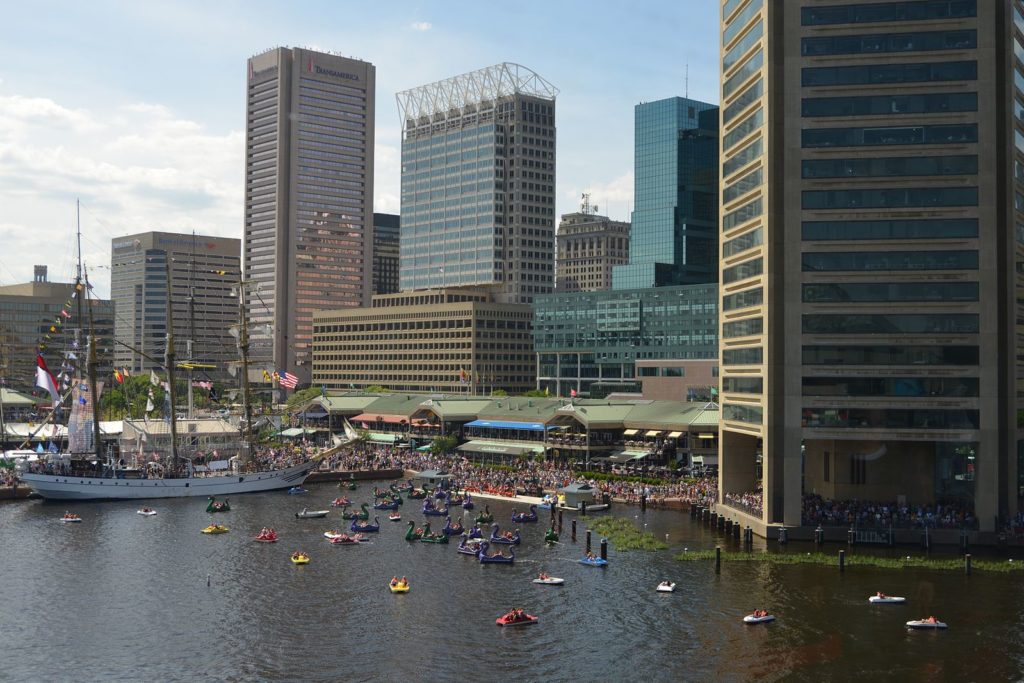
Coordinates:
x,y
760,613
930,620
591,556
543,576
394,580
665,584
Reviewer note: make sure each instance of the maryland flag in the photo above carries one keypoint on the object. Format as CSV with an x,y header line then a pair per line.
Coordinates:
x,y
462,375
118,377
266,376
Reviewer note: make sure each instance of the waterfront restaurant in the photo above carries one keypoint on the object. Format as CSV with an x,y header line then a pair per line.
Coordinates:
x,y
510,428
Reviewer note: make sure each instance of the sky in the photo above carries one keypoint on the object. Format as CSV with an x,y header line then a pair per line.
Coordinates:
x,y
138,109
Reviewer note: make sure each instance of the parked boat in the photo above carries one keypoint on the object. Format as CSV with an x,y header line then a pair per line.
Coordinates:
x,y
883,599
666,587
311,514
759,616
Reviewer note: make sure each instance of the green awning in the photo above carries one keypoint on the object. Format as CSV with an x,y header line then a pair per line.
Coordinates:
x,y
623,456
292,432
424,448
383,438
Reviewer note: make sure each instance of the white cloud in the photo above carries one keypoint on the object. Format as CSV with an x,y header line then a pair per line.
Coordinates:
x,y
137,167
421,26
614,197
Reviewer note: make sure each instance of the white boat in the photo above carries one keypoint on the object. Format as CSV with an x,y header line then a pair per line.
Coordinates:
x,y
311,514
751,619
333,534
666,587
66,487
550,581
930,624
69,520
145,512
886,600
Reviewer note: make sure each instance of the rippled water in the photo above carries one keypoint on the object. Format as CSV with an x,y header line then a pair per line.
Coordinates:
x,y
121,597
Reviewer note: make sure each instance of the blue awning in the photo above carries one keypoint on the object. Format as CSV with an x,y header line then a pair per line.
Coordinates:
x,y
532,426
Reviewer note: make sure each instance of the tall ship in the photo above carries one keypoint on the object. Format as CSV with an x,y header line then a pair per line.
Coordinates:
x,y
89,475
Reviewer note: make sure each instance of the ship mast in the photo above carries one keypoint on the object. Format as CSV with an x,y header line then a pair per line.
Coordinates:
x,y
169,365
243,350
91,367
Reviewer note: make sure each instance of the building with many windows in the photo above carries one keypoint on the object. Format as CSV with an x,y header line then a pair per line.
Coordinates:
x,y
478,183
871,182
675,195
452,339
204,284
48,314
590,342
308,198
386,227
588,247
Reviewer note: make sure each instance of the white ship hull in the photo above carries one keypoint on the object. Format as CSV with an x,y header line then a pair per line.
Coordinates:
x,y
60,487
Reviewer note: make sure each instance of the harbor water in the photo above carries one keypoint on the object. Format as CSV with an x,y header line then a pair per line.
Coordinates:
x,y
123,597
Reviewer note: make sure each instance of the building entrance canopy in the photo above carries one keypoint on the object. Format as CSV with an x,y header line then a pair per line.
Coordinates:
x,y
499,448
499,424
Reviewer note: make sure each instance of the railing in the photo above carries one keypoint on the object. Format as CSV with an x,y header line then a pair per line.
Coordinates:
x,y
753,510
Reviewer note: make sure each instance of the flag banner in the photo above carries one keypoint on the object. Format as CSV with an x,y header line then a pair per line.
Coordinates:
x,y
288,380
118,377
572,393
153,379
45,380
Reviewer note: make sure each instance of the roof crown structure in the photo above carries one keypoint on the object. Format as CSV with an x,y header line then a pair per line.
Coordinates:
x,y
480,87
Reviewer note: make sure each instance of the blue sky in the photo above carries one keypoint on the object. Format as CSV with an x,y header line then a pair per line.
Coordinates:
x,y
138,108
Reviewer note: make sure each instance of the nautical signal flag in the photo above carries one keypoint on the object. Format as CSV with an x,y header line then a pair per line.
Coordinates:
x,y
45,380
462,375
266,376
572,393
118,377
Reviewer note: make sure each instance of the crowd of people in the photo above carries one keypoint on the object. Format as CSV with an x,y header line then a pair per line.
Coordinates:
x,y
751,501
884,515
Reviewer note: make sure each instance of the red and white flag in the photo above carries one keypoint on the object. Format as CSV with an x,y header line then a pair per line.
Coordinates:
x,y
288,380
45,380
572,393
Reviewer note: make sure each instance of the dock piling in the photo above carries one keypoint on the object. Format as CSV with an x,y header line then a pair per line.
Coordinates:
x,y
574,530
588,540
718,559
842,561
604,548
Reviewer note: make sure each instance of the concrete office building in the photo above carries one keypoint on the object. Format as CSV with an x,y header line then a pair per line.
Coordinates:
x,y
204,284
673,238
32,311
478,183
588,246
308,198
386,227
871,185
450,340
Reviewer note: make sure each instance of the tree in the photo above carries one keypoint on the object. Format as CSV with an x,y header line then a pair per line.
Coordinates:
x,y
499,393
443,444
300,398
535,393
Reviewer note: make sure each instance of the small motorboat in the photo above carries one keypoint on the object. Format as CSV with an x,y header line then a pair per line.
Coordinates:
x,y
666,587
365,527
340,502
928,624
395,517
146,512
546,580
520,517
216,529
515,618
506,538
300,558
496,557
883,599
594,562
297,489
758,617
399,586
70,518
311,514
214,505
470,546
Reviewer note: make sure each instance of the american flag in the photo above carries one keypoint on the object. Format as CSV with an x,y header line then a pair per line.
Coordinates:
x,y
288,380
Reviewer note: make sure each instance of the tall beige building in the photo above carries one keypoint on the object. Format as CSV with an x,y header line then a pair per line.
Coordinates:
x,y
871,255
587,247
308,198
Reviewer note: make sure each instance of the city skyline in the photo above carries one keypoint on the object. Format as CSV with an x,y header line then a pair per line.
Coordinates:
x,y
151,142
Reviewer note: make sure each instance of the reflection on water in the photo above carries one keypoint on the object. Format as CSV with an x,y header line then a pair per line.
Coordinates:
x,y
123,597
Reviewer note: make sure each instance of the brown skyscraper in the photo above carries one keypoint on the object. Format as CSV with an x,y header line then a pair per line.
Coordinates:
x,y
308,198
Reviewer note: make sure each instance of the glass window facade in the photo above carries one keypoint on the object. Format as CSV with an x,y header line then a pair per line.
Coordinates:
x,y
939,228
883,105
742,385
753,93
890,135
743,328
747,356
889,419
921,41
890,198
743,157
870,74
966,164
743,214
747,240
942,387
748,69
890,355
733,56
742,271
909,323
742,186
912,10
890,260
880,291
751,414
744,299
742,129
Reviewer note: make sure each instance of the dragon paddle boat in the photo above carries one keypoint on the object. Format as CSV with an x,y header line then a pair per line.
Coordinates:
x,y
364,515
213,505
485,517
416,494
266,535
496,557
467,503
414,534
395,516
521,517
146,512
428,537
216,529
348,485
385,504
399,585
927,624
592,560
342,502
311,514
453,529
516,617
470,546
883,599
476,532
365,527
504,538
551,536
440,493
430,509
405,486
296,490
299,557
758,616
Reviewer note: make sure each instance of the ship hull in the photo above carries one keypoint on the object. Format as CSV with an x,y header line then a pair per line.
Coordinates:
x,y
60,487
